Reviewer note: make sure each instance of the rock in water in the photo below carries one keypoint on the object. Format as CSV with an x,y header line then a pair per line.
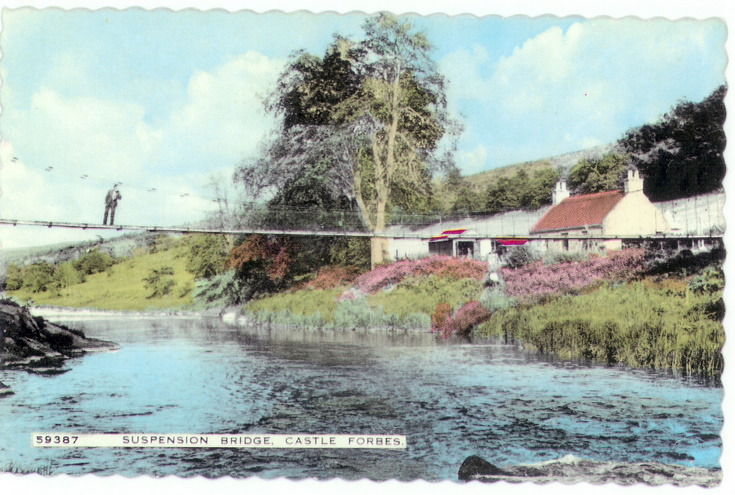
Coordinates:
x,y
570,469
33,344
474,466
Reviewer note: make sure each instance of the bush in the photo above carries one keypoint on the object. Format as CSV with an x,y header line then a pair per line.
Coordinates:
x,y
207,255
220,290
65,275
441,315
330,277
521,256
38,277
441,266
531,282
160,281
628,324
93,262
13,277
710,281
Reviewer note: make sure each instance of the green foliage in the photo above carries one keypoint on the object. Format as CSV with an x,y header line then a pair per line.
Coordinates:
x,y
13,277
682,154
93,262
468,201
38,277
710,281
303,302
631,324
350,251
65,275
521,191
422,294
160,281
518,256
119,289
598,174
263,264
207,255
218,291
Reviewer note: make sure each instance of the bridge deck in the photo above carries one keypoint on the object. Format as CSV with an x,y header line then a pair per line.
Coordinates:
x,y
327,233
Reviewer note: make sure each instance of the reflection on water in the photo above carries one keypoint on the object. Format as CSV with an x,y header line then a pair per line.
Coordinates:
x,y
451,400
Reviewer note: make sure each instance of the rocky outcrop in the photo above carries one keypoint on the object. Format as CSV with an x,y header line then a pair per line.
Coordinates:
x,y
33,344
570,469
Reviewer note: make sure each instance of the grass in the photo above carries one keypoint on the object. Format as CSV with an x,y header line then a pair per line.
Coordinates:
x,y
637,324
122,287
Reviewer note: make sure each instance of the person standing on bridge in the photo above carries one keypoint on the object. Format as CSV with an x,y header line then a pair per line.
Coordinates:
x,y
113,196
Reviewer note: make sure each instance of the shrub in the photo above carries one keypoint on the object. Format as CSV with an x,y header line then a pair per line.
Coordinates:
x,y
207,255
442,313
521,256
93,262
65,275
710,281
530,282
38,276
330,277
160,281
441,266
627,324
217,291
467,317
13,277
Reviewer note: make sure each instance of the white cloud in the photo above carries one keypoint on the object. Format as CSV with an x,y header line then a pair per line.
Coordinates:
x,y
224,114
562,90
473,161
59,139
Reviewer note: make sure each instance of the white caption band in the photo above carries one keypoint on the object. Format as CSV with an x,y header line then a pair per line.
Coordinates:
x,y
189,440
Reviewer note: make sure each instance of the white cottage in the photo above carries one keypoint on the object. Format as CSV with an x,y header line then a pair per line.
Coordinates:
x,y
601,215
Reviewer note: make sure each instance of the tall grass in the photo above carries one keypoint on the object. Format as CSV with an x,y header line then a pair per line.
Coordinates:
x,y
629,324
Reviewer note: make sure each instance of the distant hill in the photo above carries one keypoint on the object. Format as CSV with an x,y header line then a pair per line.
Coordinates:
x,y
480,181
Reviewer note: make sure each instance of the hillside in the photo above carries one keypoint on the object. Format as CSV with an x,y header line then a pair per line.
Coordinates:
x,y
123,285
479,182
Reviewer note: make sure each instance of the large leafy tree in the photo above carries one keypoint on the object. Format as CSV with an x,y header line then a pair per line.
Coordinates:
x,y
682,154
521,191
374,110
592,175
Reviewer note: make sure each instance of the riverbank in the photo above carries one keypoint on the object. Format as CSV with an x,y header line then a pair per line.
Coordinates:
x,y
31,343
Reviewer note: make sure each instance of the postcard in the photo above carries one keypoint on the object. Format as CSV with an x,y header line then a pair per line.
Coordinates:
x,y
481,250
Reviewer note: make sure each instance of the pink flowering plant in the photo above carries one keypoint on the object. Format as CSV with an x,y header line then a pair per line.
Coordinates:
x,y
532,281
385,276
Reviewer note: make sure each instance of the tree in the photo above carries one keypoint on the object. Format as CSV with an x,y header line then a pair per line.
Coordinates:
x,y
207,256
682,154
38,276
521,192
374,110
592,175
262,264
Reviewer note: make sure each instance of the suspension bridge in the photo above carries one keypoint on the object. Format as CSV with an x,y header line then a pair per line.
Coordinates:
x,y
400,233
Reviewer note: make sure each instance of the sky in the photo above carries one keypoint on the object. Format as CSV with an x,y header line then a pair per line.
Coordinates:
x,y
166,102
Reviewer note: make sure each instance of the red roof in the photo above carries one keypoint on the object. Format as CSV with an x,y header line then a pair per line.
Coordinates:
x,y
453,231
578,211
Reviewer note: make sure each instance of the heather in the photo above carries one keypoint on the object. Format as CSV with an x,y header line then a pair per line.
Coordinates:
x,y
633,324
533,281
440,266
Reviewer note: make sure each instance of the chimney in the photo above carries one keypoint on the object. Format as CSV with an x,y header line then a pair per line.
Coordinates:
x,y
633,183
560,193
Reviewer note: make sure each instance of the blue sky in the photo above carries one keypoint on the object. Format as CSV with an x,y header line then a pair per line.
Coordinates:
x,y
166,100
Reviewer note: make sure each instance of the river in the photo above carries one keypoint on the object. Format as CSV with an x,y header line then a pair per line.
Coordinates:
x,y
451,400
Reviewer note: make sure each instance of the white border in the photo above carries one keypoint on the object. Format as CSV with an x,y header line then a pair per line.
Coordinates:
x,y
672,9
